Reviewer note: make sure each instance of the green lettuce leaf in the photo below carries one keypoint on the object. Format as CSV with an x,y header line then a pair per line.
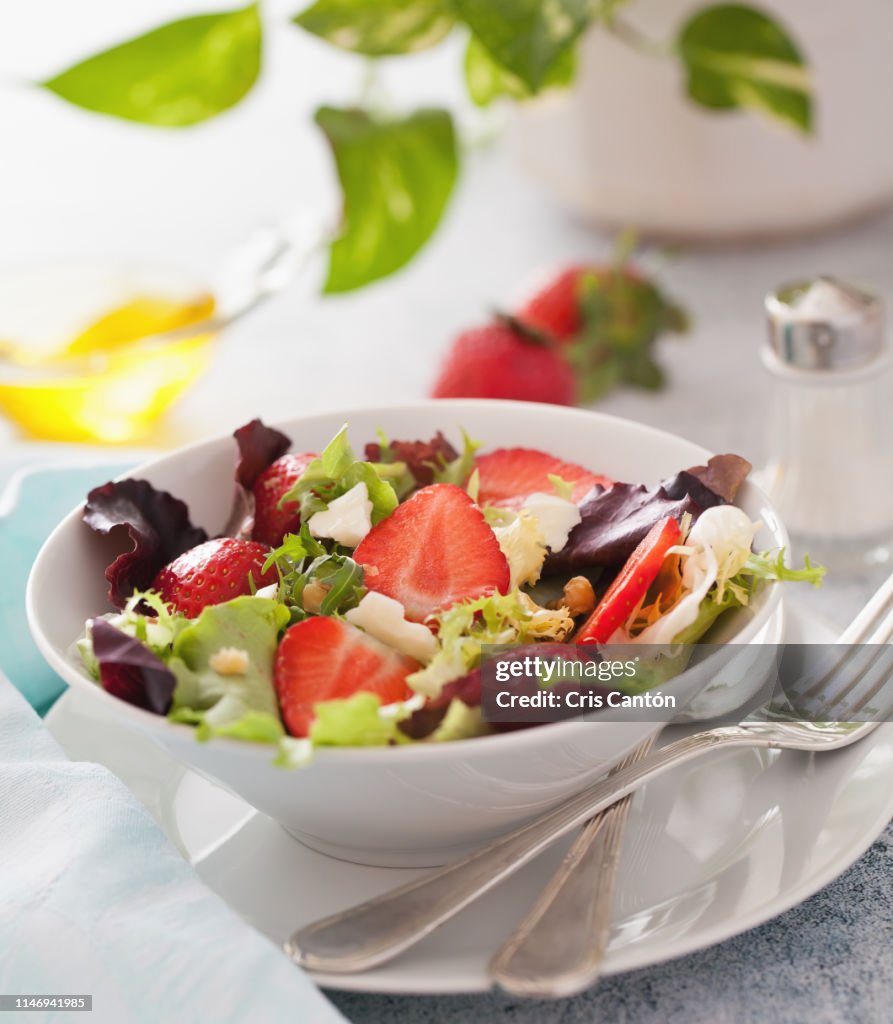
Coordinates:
x,y
770,565
354,722
461,722
243,706
737,591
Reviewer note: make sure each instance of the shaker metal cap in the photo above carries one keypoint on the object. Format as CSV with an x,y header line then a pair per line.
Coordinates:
x,y
825,324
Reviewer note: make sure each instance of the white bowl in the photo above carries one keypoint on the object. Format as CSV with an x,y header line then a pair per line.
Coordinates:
x,y
421,804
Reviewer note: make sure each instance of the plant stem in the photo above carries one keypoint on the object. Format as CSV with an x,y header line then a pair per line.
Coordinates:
x,y
373,95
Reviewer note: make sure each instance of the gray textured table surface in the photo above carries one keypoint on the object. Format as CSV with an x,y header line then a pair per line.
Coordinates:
x,y
828,961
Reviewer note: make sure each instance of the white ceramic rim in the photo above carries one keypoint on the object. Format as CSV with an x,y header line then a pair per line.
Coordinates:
x,y
515,740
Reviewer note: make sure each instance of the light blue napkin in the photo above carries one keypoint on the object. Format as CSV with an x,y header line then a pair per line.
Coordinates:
x,y
94,900
31,506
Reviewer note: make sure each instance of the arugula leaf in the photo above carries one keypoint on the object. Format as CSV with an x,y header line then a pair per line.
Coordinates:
x,y
335,472
302,559
295,547
378,29
396,175
528,38
179,74
344,578
487,80
739,57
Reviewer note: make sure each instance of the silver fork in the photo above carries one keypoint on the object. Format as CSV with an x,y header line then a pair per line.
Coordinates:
x,y
557,948
379,929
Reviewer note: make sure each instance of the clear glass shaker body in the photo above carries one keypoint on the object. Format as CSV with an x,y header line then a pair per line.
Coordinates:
x,y
831,470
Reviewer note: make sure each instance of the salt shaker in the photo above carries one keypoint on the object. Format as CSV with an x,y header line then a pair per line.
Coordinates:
x,y
830,473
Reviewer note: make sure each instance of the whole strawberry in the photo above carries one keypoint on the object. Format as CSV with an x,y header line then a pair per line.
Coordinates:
x,y
608,317
213,572
555,309
506,360
272,523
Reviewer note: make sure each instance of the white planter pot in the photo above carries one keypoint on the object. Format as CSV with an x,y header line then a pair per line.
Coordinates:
x,y
626,146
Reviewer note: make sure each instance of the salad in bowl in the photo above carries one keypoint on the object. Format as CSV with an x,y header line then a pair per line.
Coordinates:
x,y
348,597
408,795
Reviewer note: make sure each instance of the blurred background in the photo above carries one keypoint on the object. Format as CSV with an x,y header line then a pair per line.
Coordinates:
x,y
743,150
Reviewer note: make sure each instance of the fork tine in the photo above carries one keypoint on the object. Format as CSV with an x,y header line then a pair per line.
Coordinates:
x,y
868,698
873,623
875,611
860,669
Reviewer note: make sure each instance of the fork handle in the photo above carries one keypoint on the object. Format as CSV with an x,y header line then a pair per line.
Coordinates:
x,y
376,931
558,947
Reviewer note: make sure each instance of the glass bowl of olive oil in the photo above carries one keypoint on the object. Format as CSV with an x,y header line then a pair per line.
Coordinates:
x,y
98,355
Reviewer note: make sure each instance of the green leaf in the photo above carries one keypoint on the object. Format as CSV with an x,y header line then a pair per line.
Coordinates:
x,y
243,705
487,81
770,565
328,477
345,582
458,470
378,28
396,176
527,38
179,74
641,370
381,492
460,722
738,57
337,454
354,722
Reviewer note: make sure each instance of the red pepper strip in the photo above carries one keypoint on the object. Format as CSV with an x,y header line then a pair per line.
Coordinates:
x,y
631,585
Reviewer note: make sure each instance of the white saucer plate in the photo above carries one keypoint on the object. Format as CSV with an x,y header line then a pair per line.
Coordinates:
x,y
712,849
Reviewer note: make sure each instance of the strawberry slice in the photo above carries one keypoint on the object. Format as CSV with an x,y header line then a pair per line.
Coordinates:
x,y
213,572
434,550
326,659
509,475
272,523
